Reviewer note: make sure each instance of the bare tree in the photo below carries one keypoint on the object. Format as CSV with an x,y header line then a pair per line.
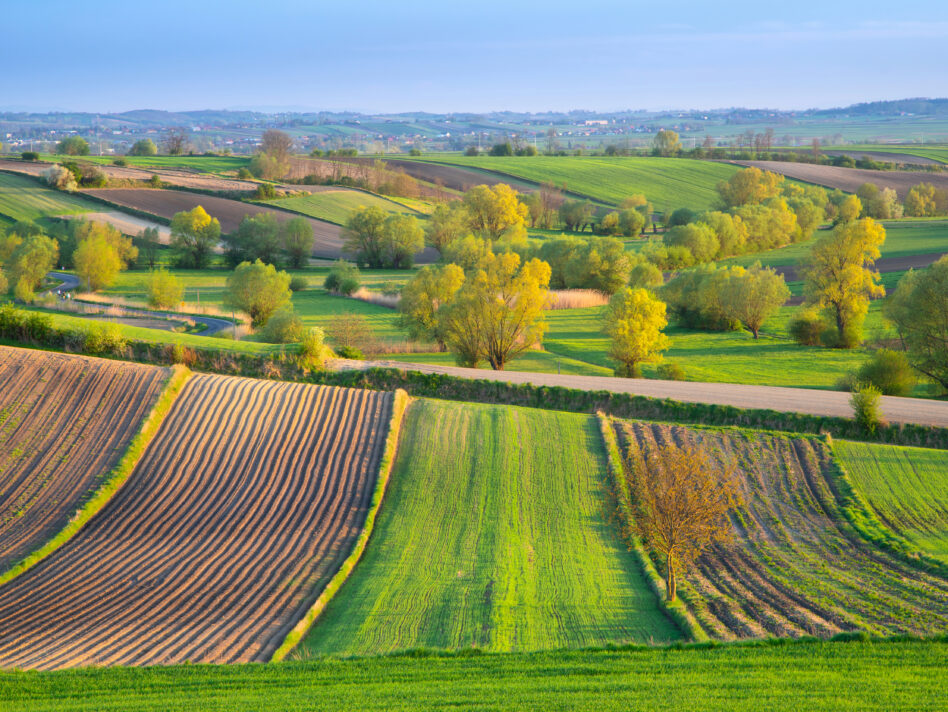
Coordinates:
x,y
681,504
277,144
175,141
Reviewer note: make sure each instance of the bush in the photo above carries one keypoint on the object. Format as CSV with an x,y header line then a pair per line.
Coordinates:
x,y
265,191
97,339
120,162
889,371
349,352
671,371
343,278
298,283
807,328
681,216
866,408
244,174
284,327
30,156
313,351
164,290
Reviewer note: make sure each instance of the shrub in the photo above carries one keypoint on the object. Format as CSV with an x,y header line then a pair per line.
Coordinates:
x,y
671,371
298,283
96,339
889,371
30,156
807,328
866,407
265,191
244,174
343,278
681,216
349,352
59,177
284,327
155,181
313,351
120,162
164,290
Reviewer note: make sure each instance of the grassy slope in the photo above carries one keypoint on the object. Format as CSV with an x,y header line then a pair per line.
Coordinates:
x,y
668,182
201,164
906,487
335,205
486,539
801,676
25,199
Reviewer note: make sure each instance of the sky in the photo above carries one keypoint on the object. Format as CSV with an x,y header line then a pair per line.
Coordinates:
x,y
450,56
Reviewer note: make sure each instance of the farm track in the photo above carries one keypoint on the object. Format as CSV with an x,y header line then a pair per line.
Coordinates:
x,y
243,506
64,423
797,568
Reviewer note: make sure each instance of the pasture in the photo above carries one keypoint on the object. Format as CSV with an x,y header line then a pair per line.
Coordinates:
x,y
335,205
492,535
26,199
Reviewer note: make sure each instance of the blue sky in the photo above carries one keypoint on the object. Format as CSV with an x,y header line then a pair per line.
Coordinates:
x,y
486,55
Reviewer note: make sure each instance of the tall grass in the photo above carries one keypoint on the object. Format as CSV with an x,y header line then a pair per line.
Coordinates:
x,y
577,298
378,298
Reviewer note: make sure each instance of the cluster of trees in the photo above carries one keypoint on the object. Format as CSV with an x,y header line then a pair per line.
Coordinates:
x,y
26,255
273,160
265,237
506,148
925,200
381,240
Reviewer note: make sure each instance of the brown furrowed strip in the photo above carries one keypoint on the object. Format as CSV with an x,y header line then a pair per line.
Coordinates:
x,y
235,518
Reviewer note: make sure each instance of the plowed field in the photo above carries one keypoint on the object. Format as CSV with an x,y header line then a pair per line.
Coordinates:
x,y
797,568
241,508
64,423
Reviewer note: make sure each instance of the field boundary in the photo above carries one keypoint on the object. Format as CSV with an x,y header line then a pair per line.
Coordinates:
x,y
860,516
296,634
114,480
677,611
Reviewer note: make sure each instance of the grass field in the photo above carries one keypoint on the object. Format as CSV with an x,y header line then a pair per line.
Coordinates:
x,y
201,164
906,488
335,205
935,153
25,199
668,182
492,535
813,676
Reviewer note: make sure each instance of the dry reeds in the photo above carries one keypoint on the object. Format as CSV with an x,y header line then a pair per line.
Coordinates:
x,y
577,298
378,298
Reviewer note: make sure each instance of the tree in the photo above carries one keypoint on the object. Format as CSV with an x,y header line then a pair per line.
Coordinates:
x,y
73,146
175,141
730,231
277,145
501,149
752,295
576,214
257,289
97,263
599,263
634,322
918,308
194,235
297,235
267,167
258,237
497,313
150,241
343,278
681,500
494,210
468,252
645,275
749,186
284,327
59,178
631,222
421,298
123,246
680,216
143,147
667,143
447,223
404,237
26,260
164,290
377,239
849,210
699,238
837,277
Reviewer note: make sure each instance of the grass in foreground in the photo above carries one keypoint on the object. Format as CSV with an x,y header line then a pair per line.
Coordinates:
x,y
906,488
813,676
492,535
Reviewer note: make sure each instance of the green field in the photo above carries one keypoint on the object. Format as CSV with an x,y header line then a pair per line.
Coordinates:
x,y
817,677
668,182
906,488
335,205
492,535
200,164
25,199
935,153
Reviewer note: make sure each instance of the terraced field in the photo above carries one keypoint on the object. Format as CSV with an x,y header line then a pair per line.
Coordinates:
x,y
905,487
492,535
668,182
25,199
65,421
797,568
243,506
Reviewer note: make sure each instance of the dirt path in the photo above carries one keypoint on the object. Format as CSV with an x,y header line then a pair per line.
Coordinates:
x,y
794,400
243,506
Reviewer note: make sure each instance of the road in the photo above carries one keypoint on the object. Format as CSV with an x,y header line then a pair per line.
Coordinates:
x,y
793,400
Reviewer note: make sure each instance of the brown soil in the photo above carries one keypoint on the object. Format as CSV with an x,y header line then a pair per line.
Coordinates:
x,y
64,423
796,567
849,179
241,509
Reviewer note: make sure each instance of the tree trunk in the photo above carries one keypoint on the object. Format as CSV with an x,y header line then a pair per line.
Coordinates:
x,y
756,333
671,584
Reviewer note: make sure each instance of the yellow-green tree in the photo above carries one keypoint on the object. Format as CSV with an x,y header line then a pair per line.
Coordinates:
x,y
635,321
667,143
920,201
749,186
494,210
422,297
849,209
164,290
838,276
449,222
97,263
752,295
257,289
194,235
498,312
26,260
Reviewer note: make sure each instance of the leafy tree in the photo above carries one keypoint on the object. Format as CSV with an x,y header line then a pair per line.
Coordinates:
x,y
576,214
73,146
807,327
837,277
600,263
404,237
494,210
681,504
143,147
645,275
124,248
772,224
918,309
343,278
297,236
150,242
258,237
502,149
257,289
4,284
164,290
699,238
468,252
268,167
695,297
97,263
925,200
681,216
849,210
752,295
194,235
729,230
631,222
889,371
867,411
449,222
609,224
284,327
749,186
381,240
421,298
667,143
26,259
809,216
497,313
634,322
